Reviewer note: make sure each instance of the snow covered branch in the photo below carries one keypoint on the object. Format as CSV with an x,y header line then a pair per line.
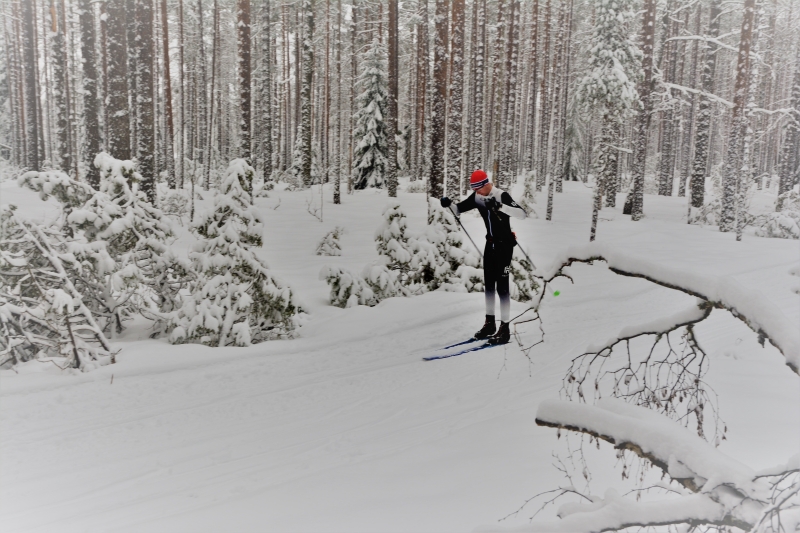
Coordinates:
x,y
727,492
758,313
659,372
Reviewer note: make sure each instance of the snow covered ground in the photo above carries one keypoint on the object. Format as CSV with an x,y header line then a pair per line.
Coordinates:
x,y
346,428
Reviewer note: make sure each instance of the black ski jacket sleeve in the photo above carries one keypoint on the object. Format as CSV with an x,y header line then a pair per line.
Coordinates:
x,y
498,227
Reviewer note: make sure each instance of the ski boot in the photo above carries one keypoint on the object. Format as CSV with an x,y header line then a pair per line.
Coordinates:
x,y
502,336
487,330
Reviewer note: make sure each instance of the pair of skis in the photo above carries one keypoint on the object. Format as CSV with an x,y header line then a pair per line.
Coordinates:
x,y
472,345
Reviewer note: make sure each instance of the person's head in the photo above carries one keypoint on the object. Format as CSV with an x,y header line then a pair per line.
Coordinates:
x,y
479,182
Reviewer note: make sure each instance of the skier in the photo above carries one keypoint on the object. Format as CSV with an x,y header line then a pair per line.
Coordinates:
x,y
496,207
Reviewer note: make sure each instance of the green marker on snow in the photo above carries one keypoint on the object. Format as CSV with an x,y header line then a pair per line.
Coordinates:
x,y
556,293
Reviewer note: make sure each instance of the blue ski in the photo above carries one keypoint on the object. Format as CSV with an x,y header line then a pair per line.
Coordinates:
x,y
468,341
486,344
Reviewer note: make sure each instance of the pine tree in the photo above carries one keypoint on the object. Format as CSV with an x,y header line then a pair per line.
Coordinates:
x,y
609,87
42,313
370,135
236,300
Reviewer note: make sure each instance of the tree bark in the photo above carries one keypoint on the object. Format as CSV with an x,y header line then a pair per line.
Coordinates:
x,y
266,92
243,34
505,176
391,122
31,88
438,101
118,131
169,139
454,112
733,156
478,68
61,86
788,167
145,120
90,104
305,89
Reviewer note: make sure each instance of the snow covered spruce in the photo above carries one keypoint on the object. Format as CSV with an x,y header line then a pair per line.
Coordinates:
x,y
236,301
42,314
106,251
330,245
409,264
370,136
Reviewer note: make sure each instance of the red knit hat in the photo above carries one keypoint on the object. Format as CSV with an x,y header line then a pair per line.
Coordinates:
x,y
478,179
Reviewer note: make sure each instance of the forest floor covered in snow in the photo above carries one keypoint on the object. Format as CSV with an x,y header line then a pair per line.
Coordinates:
x,y
345,428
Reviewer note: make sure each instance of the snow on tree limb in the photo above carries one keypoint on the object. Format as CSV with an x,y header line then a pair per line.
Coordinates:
x,y
760,315
613,513
728,493
677,451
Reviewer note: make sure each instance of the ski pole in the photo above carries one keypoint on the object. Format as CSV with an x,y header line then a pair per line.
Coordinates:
x,y
526,255
450,207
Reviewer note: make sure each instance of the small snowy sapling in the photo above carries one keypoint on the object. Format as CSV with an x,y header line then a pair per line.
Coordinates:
x,y
330,245
236,301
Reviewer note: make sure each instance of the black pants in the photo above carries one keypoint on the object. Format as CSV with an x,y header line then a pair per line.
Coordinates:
x,y
496,271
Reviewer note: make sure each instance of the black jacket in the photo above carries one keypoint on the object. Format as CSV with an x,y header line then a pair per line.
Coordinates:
x,y
498,228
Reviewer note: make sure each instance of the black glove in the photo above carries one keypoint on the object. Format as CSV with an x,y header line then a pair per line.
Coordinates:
x,y
446,202
493,205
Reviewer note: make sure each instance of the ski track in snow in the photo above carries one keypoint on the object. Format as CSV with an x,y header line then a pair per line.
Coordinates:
x,y
346,428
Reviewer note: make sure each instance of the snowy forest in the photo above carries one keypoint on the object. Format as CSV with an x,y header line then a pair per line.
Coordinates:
x,y
234,298
357,93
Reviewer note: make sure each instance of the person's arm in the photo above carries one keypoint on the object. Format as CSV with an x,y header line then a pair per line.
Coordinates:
x,y
511,208
465,205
